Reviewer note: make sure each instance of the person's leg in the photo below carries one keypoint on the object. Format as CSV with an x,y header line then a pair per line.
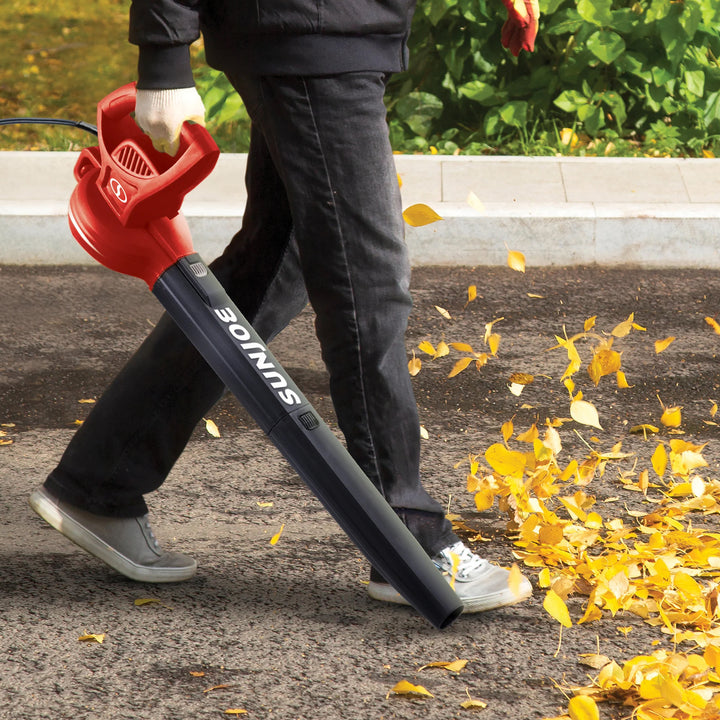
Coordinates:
x,y
143,421
329,142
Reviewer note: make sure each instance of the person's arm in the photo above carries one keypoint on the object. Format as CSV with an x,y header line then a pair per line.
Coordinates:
x,y
521,26
163,30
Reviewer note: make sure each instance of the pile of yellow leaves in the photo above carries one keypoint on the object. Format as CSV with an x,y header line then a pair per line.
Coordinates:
x,y
654,564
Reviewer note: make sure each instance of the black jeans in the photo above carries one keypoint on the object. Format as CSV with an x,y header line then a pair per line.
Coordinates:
x,y
323,221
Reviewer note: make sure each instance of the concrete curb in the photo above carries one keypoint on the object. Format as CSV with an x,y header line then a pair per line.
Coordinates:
x,y
558,211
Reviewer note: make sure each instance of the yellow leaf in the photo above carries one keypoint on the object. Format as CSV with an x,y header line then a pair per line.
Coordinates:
x,y
534,295
475,203
472,293
424,433
264,504
671,417
442,349
644,429
661,345
414,365
713,408
583,707
453,666
521,378
443,312
659,460
197,673
493,343
557,608
427,347
530,435
585,413
462,347
212,428
484,499
504,461
589,323
516,260
419,215
147,601
516,389
625,630
86,401
473,704
622,329
216,687
595,661
276,536
604,362
569,137
622,380
459,366
713,324
406,688
507,430
399,179
91,637
236,711
515,579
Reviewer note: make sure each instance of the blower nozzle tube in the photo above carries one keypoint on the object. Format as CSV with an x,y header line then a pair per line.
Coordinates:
x,y
201,308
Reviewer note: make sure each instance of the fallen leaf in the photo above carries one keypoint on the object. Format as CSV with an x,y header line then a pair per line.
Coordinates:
x,y
515,578
661,345
419,215
264,504
216,687
212,428
475,203
406,688
472,293
453,666
414,365
557,609
713,324
276,536
197,673
148,601
473,704
583,707
443,312
671,417
585,413
86,401
236,711
91,637
516,260
594,660
424,433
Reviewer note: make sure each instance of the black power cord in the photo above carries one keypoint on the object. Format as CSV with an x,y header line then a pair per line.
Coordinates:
x,y
87,127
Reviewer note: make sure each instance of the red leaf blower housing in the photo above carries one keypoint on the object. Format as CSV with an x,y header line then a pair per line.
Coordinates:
x,y
125,211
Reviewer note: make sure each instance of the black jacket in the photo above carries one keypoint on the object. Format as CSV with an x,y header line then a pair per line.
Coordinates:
x,y
279,37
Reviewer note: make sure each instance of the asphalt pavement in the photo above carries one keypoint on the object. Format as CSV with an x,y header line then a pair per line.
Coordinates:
x,y
287,630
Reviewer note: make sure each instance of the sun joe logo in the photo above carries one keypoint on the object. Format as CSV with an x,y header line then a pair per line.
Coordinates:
x,y
118,190
258,353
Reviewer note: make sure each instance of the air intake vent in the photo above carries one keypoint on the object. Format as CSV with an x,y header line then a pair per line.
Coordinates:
x,y
133,160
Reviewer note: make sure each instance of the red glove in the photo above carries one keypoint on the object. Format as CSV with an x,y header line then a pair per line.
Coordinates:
x,y
521,26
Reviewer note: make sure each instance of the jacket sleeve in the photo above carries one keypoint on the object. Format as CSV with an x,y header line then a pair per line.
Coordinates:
x,y
163,30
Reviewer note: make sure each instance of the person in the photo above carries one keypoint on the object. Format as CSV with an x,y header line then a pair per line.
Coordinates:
x,y
322,222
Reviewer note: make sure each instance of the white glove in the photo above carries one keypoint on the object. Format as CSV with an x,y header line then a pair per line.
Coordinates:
x,y
161,114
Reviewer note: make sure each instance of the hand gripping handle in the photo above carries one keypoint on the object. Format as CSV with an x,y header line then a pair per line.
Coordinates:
x,y
140,183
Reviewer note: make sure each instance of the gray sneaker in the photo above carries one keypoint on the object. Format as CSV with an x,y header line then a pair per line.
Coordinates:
x,y
125,544
479,584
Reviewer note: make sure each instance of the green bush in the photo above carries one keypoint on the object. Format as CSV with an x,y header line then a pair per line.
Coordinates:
x,y
630,77
615,70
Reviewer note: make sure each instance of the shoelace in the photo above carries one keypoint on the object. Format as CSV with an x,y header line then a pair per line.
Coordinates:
x,y
146,522
467,563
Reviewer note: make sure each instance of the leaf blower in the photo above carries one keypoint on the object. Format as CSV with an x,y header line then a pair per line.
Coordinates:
x,y
125,211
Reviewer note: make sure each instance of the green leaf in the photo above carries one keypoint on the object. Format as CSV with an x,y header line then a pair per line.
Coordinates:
x,y
418,110
606,45
598,12
570,100
592,117
658,10
514,113
695,82
478,91
712,113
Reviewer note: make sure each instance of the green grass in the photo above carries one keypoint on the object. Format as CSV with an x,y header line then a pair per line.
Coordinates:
x,y
60,58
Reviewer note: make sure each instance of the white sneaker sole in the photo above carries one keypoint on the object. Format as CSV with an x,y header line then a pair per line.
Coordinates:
x,y
387,593
96,546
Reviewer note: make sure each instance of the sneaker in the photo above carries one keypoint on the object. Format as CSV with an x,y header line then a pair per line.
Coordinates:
x,y
127,545
479,584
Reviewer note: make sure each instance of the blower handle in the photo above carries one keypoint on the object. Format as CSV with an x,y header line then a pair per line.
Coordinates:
x,y
141,183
